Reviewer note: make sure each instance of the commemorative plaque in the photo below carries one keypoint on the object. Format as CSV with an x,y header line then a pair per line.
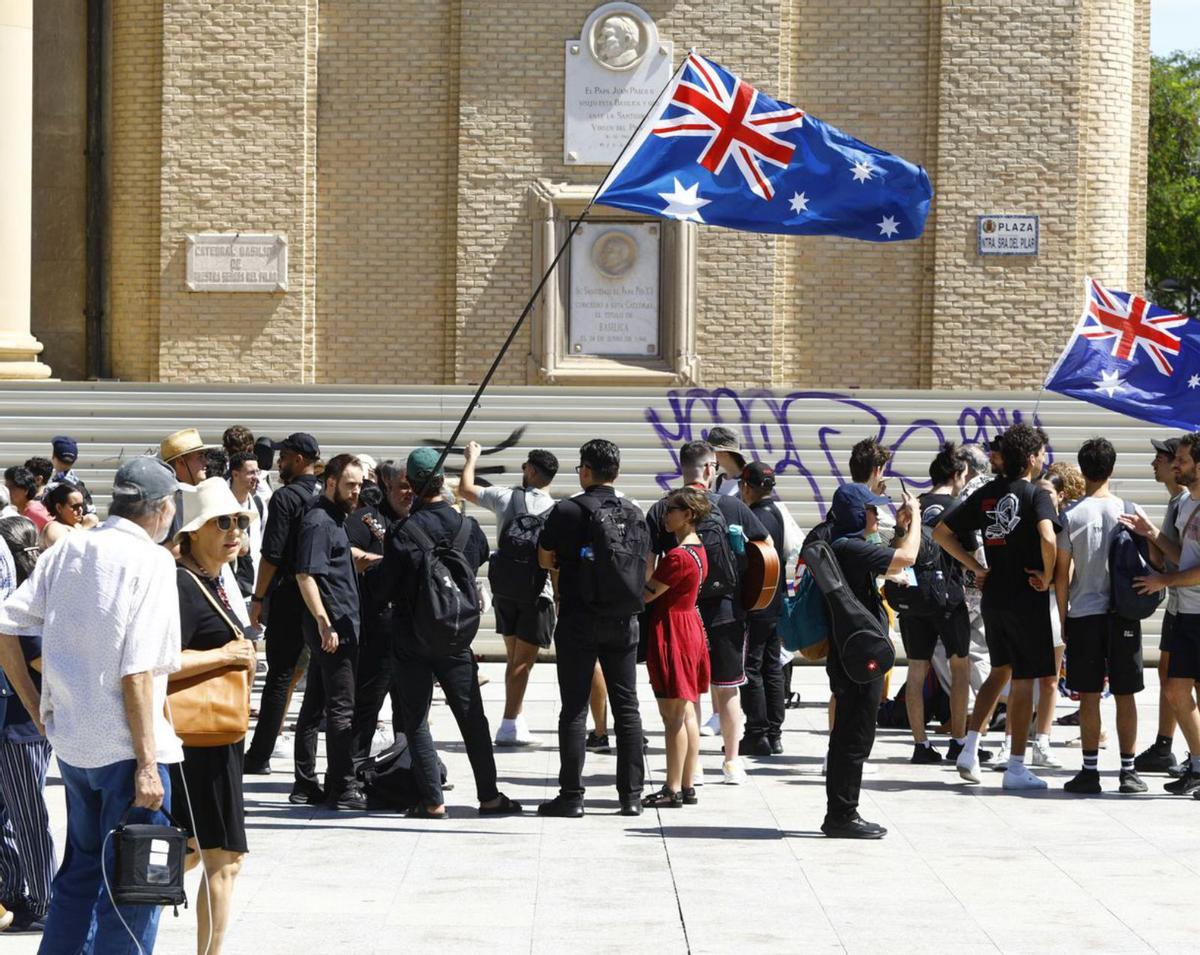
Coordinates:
x,y
614,295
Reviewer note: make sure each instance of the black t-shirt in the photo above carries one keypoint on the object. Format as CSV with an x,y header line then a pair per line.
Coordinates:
x,y
397,573
935,508
200,626
284,511
1007,513
720,610
862,562
323,552
566,532
768,515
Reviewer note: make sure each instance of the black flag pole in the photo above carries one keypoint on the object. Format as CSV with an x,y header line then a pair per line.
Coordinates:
x,y
562,249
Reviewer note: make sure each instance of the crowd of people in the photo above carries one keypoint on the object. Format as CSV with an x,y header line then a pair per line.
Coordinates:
x,y
362,579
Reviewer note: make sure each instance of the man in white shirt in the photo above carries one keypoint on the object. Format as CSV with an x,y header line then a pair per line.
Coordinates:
x,y
524,619
107,608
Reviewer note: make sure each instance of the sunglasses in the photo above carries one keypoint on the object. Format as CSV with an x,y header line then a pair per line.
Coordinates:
x,y
78,507
678,507
226,521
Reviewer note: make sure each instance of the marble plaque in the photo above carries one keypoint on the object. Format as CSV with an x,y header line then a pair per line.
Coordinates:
x,y
237,262
614,72
614,290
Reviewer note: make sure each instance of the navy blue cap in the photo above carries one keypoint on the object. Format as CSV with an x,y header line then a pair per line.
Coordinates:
x,y
848,512
64,448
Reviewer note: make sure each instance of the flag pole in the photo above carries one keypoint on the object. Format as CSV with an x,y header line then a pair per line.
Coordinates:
x,y
562,249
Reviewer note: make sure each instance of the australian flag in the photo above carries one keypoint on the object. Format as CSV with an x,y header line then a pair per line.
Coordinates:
x,y
1131,356
715,150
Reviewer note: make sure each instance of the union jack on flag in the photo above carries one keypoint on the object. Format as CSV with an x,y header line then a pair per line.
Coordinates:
x,y
1131,356
715,150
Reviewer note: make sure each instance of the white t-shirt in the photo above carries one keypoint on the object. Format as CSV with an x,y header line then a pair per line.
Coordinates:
x,y
499,500
106,605
1189,554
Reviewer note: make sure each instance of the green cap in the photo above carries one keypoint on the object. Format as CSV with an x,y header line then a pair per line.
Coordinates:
x,y
421,463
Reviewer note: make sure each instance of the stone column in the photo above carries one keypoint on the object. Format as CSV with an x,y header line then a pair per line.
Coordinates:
x,y
18,348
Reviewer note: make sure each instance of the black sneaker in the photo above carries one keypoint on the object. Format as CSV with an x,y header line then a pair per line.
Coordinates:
x,y
351,798
562,807
792,702
754,746
776,746
926,755
1086,783
1178,769
985,755
305,792
25,922
597,744
1157,758
1185,785
252,768
1131,782
856,827
999,719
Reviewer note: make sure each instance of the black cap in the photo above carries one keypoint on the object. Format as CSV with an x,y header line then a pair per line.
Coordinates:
x,y
299,442
995,443
758,475
1168,447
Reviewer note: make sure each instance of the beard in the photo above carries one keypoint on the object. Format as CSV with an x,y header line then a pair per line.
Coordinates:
x,y
343,503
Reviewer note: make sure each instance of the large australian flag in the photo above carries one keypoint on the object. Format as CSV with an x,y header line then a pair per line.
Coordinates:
x,y
715,150
1131,356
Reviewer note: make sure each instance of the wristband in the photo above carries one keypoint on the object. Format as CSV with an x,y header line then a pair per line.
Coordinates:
x,y
256,599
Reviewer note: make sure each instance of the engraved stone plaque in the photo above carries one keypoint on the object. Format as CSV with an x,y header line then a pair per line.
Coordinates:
x,y
614,298
614,72
237,262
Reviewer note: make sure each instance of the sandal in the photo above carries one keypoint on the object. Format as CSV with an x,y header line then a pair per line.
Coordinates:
x,y
505,807
688,793
663,799
422,812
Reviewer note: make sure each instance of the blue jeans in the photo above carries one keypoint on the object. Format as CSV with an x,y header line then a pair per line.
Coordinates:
x,y
82,918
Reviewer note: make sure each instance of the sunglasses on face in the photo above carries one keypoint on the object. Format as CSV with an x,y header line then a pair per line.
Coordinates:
x,y
77,507
676,507
226,521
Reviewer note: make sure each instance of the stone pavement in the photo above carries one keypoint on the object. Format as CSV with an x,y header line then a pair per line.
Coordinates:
x,y
967,867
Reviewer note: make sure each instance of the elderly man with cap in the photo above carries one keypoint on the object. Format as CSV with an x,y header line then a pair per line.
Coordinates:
x,y
107,608
854,531
276,599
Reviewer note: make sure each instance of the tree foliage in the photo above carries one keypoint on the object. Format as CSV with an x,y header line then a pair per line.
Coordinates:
x,y
1173,186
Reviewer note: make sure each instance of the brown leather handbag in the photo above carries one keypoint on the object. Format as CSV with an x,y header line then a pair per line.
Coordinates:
x,y
212,708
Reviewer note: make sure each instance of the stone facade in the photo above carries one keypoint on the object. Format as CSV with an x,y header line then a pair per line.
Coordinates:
x,y
396,143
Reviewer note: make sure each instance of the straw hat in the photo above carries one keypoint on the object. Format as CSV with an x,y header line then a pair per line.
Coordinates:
x,y
210,498
180,443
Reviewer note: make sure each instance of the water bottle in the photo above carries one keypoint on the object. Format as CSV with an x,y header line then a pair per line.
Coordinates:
x,y
737,539
586,553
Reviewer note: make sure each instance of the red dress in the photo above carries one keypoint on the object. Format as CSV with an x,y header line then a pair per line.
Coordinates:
x,y
677,654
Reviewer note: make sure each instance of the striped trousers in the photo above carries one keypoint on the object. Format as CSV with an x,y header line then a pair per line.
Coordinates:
x,y
26,845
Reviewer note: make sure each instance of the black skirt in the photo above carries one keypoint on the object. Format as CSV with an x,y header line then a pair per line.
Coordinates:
x,y
214,783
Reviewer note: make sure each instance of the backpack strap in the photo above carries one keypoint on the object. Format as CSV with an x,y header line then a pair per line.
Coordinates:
x,y
589,505
462,536
519,504
416,535
692,554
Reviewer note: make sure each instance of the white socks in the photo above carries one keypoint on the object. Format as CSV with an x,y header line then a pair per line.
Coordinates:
x,y
971,746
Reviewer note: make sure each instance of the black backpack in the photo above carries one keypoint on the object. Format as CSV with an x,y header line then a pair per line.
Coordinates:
x,y
612,566
446,610
513,570
938,588
713,531
388,780
860,641
1129,557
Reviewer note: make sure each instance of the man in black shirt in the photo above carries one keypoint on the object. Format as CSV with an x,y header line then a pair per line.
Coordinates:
x,y
854,524
276,593
1019,525
724,617
328,584
762,693
417,664
582,637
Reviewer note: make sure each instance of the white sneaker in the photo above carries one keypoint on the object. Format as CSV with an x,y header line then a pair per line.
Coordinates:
x,y
1019,777
968,767
999,763
524,737
283,747
381,740
1042,756
711,726
735,772
514,733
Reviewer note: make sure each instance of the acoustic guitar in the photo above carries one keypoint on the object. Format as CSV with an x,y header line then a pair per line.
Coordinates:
x,y
761,576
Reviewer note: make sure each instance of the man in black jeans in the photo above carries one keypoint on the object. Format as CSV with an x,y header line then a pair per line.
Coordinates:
x,y
276,590
328,582
434,523
582,637
853,515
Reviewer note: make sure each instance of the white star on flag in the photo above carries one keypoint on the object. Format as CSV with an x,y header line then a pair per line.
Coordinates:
x,y
684,204
1194,381
1110,381
862,170
888,227
799,202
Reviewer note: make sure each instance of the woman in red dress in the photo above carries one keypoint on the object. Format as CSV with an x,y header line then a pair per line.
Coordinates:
x,y
677,655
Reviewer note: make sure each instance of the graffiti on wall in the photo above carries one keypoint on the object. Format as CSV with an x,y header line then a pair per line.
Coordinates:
x,y
798,433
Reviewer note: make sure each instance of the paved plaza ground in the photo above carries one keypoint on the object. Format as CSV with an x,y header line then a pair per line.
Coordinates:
x,y
964,868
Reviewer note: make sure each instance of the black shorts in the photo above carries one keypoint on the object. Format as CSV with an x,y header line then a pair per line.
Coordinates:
x,y
921,633
1185,648
1168,628
1020,637
530,623
727,653
1104,645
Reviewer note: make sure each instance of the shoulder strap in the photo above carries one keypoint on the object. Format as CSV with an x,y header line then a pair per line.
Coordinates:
x,y
519,504
416,535
692,554
589,505
462,536
216,605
